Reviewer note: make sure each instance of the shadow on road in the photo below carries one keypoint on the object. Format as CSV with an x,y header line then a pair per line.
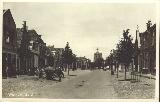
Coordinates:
x,y
125,80
72,75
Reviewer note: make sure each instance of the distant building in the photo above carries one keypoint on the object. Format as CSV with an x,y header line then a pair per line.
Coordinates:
x,y
98,59
9,45
147,56
83,62
97,55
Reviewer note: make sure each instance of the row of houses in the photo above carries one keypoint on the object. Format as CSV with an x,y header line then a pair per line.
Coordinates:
x,y
23,50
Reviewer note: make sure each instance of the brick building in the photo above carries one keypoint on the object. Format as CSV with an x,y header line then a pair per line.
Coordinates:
x,y
32,50
9,45
147,56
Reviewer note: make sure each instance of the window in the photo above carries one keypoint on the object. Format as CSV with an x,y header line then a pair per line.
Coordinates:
x,y
7,39
31,45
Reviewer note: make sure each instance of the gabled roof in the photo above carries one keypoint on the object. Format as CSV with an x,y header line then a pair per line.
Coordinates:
x,y
5,10
151,29
32,33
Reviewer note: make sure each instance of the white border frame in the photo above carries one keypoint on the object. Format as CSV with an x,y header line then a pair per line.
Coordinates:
x,y
88,100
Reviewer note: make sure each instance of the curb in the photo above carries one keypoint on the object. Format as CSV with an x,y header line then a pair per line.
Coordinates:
x,y
149,77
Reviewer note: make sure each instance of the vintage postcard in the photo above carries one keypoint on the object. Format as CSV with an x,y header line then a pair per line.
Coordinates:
x,y
80,50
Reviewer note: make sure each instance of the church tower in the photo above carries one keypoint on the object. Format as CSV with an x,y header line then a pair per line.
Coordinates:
x,y
97,55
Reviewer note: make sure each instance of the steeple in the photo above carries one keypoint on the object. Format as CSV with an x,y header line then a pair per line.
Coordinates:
x,y
136,41
136,50
137,31
97,49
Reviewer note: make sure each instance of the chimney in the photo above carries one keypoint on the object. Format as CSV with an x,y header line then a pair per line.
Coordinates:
x,y
39,36
149,24
24,26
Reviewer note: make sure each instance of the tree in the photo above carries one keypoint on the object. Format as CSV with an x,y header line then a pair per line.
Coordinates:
x,y
67,56
124,53
125,50
24,51
51,60
74,59
111,62
115,59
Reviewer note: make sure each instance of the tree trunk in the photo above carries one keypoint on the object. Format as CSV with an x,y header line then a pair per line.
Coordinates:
x,y
112,71
117,69
65,67
132,73
68,68
72,67
125,72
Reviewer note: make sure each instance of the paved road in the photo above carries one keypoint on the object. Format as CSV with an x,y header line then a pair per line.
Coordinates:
x,y
87,84
94,85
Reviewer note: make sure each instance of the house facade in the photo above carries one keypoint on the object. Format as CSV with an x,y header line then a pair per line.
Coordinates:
x,y
9,45
147,56
32,50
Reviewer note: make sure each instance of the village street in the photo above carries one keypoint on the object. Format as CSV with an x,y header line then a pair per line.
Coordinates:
x,y
84,50
81,84
96,84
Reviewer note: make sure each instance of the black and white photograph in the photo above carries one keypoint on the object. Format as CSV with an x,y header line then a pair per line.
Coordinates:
x,y
70,50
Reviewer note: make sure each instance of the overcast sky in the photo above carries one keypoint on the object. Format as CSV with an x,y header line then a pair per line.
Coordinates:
x,y
86,26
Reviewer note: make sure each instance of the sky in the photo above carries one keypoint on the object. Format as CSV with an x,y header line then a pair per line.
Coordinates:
x,y
86,26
